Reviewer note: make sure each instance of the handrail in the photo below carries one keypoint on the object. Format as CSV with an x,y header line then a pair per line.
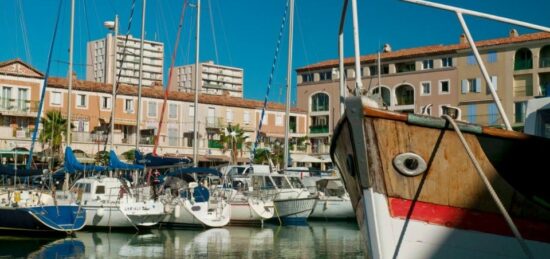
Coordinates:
x,y
494,195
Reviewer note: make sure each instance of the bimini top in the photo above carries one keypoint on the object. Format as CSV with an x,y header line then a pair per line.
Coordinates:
x,y
116,164
72,165
151,160
195,170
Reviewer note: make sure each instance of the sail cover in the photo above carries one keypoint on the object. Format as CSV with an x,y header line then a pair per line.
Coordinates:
x,y
72,165
116,164
151,160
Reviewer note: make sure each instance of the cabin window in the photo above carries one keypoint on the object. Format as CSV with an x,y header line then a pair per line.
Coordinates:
x,y
295,182
87,188
281,183
100,189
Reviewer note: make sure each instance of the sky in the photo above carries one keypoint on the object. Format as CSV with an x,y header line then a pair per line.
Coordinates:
x,y
244,33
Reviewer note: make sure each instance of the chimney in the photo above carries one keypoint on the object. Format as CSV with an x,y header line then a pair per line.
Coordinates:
x,y
462,39
513,33
387,48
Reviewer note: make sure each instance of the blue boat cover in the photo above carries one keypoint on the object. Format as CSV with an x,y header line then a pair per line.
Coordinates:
x,y
115,163
72,165
151,160
195,170
21,171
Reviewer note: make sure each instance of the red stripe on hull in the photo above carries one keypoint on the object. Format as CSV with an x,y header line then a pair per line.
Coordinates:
x,y
454,217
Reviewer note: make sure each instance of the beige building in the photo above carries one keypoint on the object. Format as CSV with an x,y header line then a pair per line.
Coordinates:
x,y
215,79
427,79
91,110
99,60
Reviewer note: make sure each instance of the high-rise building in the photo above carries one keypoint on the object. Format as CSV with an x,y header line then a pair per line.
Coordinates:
x,y
216,79
100,63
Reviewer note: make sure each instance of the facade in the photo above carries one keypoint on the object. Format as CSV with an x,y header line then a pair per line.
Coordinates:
x,y
20,87
99,59
429,79
216,79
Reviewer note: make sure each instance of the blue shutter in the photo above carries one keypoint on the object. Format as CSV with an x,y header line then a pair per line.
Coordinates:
x,y
472,113
471,60
478,85
493,114
464,86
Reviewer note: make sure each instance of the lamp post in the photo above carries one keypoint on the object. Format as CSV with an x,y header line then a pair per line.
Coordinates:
x,y
114,27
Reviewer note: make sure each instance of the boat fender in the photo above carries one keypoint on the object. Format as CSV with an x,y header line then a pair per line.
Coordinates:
x,y
409,164
168,208
177,211
100,212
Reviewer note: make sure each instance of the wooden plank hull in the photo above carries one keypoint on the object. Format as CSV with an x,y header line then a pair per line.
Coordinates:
x,y
449,184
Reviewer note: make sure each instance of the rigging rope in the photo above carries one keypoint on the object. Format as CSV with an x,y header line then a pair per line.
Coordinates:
x,y
24,30
213,30
167,90
111,120
43,93
273,66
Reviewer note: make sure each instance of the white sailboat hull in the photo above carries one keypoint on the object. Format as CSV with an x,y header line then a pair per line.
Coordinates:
x,y
251,211
198,214
333,208
294,210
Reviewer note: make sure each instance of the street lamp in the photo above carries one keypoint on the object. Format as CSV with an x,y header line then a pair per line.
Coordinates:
x,y
113,25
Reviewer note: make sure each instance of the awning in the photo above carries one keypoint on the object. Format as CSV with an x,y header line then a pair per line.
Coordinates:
x,y
125,122
303,158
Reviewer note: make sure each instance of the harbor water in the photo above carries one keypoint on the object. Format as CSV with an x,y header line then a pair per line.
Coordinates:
x,y
317,239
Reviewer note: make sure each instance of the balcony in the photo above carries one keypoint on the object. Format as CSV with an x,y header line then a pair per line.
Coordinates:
x,y
212,143
17,106
87,137
215,122
21,133
318,129
522,64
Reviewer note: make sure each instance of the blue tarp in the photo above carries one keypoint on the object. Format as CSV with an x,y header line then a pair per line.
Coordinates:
x,y
116,164
72,165
21,171
154,161
195,170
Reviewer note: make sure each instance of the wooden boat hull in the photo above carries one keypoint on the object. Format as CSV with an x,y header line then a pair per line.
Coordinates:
x,y
446,209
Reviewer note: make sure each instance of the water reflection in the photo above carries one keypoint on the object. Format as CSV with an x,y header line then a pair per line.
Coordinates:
x,y
315,240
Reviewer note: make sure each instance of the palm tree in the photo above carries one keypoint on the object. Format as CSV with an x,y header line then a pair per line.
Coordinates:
x,y
54,127
233,139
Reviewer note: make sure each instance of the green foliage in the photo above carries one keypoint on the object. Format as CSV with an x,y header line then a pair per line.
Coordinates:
x,y
233,139
130,155
102,157
54,127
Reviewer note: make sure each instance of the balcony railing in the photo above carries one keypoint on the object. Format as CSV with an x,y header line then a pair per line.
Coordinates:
x,y
544,62
523,64
21,133
215,122
212,143
87,137
318,129
18,105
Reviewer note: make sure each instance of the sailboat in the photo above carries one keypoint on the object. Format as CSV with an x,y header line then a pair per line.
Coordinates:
x,y
434,187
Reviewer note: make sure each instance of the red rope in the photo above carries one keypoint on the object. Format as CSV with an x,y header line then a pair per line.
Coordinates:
x,y
167,89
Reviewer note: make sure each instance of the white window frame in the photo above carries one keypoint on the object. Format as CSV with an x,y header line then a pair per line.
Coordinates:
x,y
279,120
427,61
443,61
246,117
86,101
422,93
170,115
440,86
109,103
229,115
191,111
52,99
126,105
149,109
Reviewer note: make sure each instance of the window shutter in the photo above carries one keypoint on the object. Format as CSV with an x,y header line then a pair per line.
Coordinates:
x,y
494,81
478,85
464,86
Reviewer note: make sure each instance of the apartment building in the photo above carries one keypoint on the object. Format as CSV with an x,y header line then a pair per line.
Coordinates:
x,y
428,79
100,60
215,79
91,111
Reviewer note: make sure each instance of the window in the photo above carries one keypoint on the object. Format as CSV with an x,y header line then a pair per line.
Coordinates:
x,y
327,75
152,109
426,88
519,111
172,110
100,189
129,105
191,110
405,67
81,100
55,98
472,60
279,120
495,84
471,85
246,118
428,64
105,102
447,62
264,119
229,115
444,87
404,95
307,77
492,57
319,102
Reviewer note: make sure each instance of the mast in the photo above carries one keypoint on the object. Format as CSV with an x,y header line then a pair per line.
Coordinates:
x,y
197,79
113,101
69,93
341,57
358,82
138,118
379,78
288,82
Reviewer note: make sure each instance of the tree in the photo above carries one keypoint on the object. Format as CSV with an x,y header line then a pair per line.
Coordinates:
x,y
54,127
233,139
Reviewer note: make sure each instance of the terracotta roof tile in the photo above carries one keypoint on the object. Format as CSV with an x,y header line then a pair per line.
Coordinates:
x,y
158,93
428,50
